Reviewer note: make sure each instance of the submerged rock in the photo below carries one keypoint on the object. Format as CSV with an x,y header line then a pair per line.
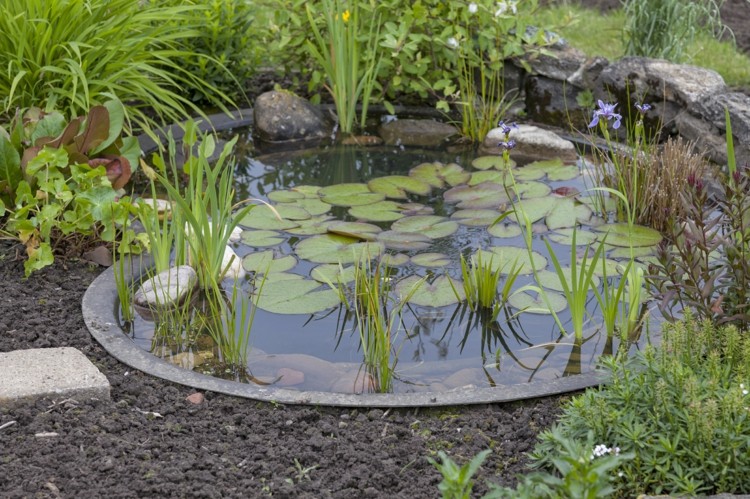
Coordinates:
x,y
232,264
355,381
421,133
282,116
166,289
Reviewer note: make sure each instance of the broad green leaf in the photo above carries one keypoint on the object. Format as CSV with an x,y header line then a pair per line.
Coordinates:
x,y
394,259
535,209
265,262
621,234
565,237
505,257
532,189
439,293
405,241
263,217
312,226
397,186
484,195
432,226
535,303
431,260
10,166
504,230
314,207
116,113
285,196
295,296
493,176
438,174
625,253
357,230
490,162
333,273
51,125
567,213
261,238
383,211
350,195
331,248
476,218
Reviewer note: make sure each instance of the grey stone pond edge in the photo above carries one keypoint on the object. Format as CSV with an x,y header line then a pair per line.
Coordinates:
x,y
100,315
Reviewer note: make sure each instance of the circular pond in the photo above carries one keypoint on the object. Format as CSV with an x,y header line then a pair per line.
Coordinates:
x,y
415,216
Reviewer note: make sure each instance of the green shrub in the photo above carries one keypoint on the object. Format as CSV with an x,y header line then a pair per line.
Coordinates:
x,y
681,410
71,54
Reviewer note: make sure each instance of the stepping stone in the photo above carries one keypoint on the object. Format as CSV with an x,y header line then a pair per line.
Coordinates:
x,y
59,373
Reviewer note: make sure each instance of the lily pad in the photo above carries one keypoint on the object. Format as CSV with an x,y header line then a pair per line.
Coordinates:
x,y
264,218
333,273
409,209
394,259
332,248
535,209
535,303
484,195
621,234
504,230
431,260
397,186
265,262
522,174
315,207
350,195
285,196
550,280
565,237
489,162
383,211
312,226
431,226
625,253
438,174
439,293
296,296
506,257
260,238
555,169
476,218
533,189
567,213
357,230
309,191
404,241
493,176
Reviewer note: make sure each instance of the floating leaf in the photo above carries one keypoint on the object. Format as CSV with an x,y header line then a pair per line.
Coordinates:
x,y
383,211
438,174
523,173
535,209
533,189
260,238
350,195
567,213
431,226
333,273
394,259
312,226
439,293
565,237
531,304
625,253
493,176
405,241
504,230
551,280
331,248
295,296
263,217
265,262
309,191
357,230
431,260
285,196
484,195
476,218
396,186
315,207
409,209
622,234
505,257
555,169
488,162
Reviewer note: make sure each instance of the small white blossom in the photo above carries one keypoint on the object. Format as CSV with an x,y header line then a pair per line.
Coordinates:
x,y
473,8
505,6
452,43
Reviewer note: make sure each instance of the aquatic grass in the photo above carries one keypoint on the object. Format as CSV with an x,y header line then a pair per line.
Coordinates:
x,y
350,68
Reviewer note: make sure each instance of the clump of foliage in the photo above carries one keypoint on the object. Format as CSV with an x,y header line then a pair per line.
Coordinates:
x,y
664,29
705,266
70,55
60,181
681,410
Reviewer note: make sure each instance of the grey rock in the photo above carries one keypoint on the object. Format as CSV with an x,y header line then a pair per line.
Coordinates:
x,y
531,142
282,116
167,288
554,102
421,133
559,64
738,105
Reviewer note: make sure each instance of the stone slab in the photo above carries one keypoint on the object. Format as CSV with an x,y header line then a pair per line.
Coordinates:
x,y
29,375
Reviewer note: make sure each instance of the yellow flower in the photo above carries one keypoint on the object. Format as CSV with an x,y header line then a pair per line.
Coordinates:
x,y
346,15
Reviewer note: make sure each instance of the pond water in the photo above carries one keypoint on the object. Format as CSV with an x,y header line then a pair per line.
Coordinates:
x,y
420,211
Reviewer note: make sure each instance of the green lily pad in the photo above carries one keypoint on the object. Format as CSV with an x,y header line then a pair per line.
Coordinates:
x,y
639,252
404,241
488,162
260,238
621,235
394,259
265,262
505,258
555,169
493,176
438,174
550,280
567,213
383,211
357,230
504,230
431,260
264,218
535,304
295,296
410,209
484,195
397,186
313,206
285,196
439,293
431,226
565,237
532,189
524,174
476,218
333,273
309,191
332,248
350,195
535,209
312,226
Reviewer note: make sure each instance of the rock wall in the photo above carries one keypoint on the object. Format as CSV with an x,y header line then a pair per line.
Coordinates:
x,y
687,100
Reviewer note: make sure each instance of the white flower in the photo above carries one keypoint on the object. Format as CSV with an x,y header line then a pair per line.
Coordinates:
x,y
472,8
504,6
452,43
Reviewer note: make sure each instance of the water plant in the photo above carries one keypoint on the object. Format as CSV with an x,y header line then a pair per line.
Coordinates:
x,y
349,67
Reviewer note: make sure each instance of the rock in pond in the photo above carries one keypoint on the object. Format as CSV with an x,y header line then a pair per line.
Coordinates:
x,y
232,264
531,142
282,116
421,133
355,381
165,290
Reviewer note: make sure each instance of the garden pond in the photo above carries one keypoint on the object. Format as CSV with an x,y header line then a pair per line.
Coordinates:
x,y
417,212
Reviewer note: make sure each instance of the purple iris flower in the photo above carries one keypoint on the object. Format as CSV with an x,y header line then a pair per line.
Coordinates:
x,y
506,128
606,111
507,146
642,108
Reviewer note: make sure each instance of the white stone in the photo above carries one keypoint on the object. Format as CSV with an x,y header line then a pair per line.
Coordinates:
x,y
160,205
531,140
236,235
166,288
232,264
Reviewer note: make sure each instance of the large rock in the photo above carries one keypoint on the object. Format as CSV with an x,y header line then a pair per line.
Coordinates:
x,y
738,105
555,102
166,289
420,133
282,117
531,143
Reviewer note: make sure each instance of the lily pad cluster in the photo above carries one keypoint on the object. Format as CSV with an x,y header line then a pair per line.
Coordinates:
x,y
425,220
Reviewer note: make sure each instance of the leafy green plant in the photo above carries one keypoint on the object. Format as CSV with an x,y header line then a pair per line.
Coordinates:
x,y
663,29
681,410
71,55
350,69
457,480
